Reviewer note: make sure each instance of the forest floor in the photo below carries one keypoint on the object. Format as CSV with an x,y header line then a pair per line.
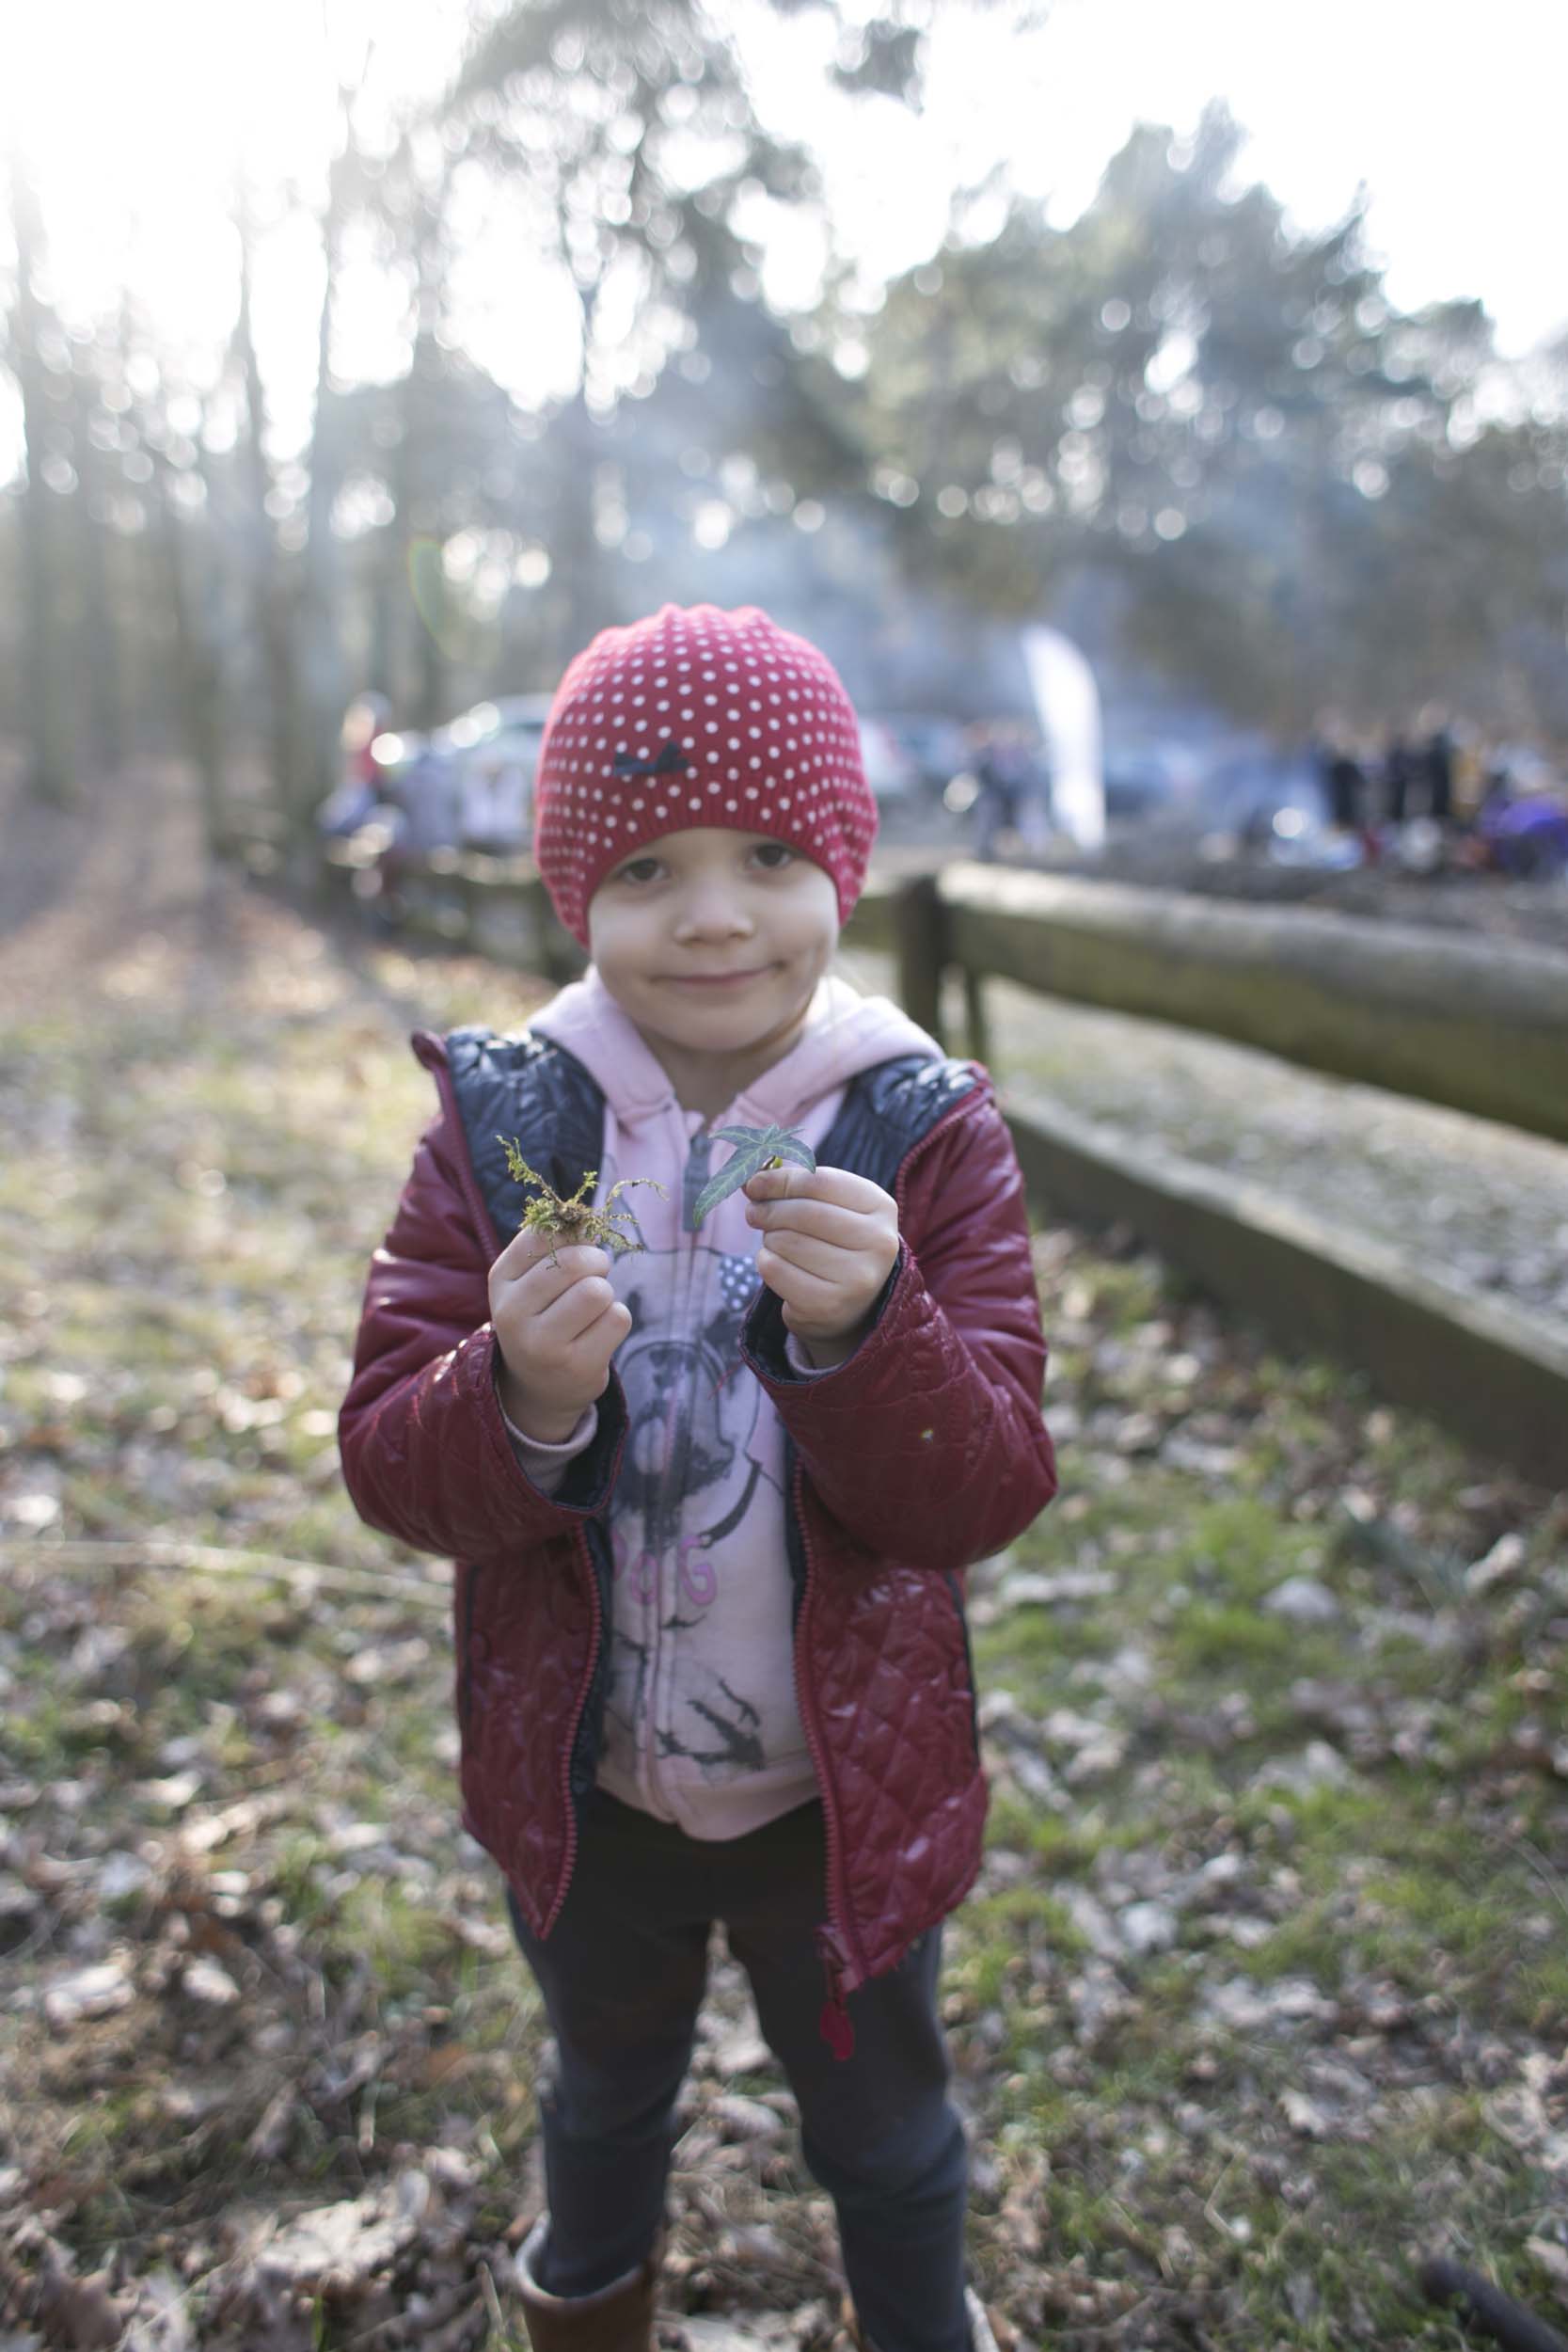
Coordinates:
x,y
1264,1993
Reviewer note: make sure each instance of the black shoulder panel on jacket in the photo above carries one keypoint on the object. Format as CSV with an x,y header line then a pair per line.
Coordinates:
x,y
886,1111
534,1089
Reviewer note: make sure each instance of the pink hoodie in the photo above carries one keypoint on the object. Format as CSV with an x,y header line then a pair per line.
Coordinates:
x,y
701,1721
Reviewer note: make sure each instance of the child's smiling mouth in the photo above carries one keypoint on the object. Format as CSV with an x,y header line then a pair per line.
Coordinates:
x,y
716,980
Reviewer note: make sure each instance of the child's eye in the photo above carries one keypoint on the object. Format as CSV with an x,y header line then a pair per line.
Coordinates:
x,y
638,869
773,855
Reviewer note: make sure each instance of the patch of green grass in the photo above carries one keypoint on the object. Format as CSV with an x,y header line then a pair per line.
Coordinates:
x,y
1240,1546
1139,1516
1540,1991
393,1930
1224,1637
1061,1846
1040,1646
47,1738
103,2123
1125,1292
1023,1915
1470,1922
1309,1944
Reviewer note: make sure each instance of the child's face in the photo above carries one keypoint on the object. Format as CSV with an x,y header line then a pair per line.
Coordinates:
x,y
712,941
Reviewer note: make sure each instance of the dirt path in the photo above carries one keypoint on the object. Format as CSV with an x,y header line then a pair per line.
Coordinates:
x,y
86,892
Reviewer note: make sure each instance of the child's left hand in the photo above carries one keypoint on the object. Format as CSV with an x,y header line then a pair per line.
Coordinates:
x,y
830,1242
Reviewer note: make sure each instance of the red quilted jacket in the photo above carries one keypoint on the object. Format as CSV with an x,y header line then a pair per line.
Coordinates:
x,y
926,1451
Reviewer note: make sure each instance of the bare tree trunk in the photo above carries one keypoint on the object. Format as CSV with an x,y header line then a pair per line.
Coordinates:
x,y
320,663
51,772
96,555
383,670
197,665
576,558
271,590
410,617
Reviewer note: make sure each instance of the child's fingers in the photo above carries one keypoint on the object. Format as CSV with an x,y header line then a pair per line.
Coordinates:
x,y
827,1259
529,1247
824,1219
543,1277
573,1311
524,1249
807,1292
597,1341
839,1186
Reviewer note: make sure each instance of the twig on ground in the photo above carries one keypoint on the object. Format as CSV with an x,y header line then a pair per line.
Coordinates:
x,y
154,1553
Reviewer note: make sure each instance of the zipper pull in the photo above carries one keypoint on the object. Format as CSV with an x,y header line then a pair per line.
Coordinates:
x,y
834,2024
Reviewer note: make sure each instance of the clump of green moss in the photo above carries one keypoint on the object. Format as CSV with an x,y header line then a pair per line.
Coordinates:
x,y
574,1218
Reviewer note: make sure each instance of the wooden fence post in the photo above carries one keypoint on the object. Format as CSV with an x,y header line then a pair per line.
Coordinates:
x,y
918,930
977,1023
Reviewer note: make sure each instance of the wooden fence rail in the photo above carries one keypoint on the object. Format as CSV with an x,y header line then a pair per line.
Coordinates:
x,y
1480,1026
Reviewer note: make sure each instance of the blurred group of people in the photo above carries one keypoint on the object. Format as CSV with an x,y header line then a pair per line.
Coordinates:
x,y
1012,785
1439,794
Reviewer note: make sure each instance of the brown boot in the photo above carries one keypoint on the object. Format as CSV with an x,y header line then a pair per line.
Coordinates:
x,y
617,2318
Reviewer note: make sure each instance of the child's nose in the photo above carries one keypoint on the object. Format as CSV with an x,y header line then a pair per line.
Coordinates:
x,y
712,913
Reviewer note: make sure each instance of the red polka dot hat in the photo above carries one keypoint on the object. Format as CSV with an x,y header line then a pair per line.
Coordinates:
x,y
698,717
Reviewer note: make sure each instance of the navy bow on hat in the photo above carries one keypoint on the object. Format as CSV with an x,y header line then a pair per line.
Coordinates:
x,y
670,757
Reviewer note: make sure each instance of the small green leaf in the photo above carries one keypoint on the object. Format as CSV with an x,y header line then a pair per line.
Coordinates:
x,y
756,1147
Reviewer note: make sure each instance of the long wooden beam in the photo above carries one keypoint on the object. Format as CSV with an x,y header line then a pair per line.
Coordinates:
x,y
1479,1024
1495,1375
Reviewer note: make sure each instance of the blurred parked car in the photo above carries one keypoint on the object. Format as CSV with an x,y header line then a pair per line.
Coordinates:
x,y
1139,780
419,792
494,751
938,746
889,768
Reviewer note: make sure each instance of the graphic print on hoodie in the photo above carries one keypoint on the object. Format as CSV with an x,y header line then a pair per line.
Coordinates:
x,y
702,1720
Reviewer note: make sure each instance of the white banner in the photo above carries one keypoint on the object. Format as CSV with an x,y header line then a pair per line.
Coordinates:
x,y
1068,702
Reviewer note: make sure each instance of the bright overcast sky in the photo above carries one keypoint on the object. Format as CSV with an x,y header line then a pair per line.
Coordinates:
x,y
1451,114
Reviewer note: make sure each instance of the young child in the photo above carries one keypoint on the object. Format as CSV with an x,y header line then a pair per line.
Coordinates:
x,y
711,1500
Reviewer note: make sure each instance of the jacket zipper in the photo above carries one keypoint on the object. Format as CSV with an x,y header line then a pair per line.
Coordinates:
x,y
832,1945
833,1950
569,1749
647,1763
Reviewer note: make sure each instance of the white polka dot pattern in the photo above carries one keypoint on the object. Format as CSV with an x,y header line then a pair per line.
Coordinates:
x,y
698,717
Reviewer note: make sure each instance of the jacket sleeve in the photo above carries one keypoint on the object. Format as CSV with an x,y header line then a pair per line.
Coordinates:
x,y
425,1452
929,1444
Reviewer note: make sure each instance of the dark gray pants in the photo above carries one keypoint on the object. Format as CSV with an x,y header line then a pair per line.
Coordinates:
x,y
623,1975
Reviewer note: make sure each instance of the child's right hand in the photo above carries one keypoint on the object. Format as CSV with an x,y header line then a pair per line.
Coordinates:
x,y
556,1324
